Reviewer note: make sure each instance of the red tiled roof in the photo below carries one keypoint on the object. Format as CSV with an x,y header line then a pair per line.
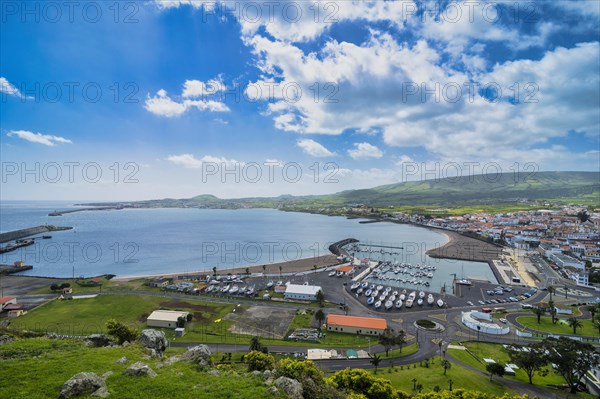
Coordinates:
x,y
7,299
354,321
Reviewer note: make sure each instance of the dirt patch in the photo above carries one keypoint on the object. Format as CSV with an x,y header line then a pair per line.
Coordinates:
x,y
182,305
261,321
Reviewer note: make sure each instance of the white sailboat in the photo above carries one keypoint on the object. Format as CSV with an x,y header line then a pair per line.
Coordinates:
x,y
430,299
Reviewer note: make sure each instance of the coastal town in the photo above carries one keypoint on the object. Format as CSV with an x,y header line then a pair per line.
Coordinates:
x,y
541,260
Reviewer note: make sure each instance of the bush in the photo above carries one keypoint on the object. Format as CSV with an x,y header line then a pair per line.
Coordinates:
x,y
259,361
121,332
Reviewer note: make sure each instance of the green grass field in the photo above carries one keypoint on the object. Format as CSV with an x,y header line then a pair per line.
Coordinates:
x,y
89,316
561,327
429,377
497,352
482,350
37,368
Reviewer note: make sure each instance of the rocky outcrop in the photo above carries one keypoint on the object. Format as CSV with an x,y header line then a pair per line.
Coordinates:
x,y
153,340
6,339
199,354
290,386
140,369
98,340
83,384
122,360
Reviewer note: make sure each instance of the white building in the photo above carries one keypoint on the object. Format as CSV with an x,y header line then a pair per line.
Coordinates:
x,y
580,278
165,318
302,292
563,260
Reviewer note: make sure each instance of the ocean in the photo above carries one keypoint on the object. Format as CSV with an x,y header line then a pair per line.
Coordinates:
x,y
135,242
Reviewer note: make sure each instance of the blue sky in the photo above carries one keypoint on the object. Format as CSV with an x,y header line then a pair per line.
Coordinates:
x,y
191,97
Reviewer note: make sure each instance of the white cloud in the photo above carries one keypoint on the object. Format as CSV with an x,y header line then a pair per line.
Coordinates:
x,y
313,148
8,88
38,138
365,151
299,21
189,161
197,88
162,105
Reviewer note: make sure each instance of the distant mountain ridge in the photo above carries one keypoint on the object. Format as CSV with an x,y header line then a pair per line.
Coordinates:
x,y
471,189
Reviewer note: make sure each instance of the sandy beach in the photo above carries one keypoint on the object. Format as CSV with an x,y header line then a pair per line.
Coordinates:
x,y
461,247
293,266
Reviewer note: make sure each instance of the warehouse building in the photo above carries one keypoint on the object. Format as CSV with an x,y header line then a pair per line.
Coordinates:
x,y
302,292
355,325
165,318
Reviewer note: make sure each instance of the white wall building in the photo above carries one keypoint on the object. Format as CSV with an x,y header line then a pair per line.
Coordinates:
x,y
165,318
302,292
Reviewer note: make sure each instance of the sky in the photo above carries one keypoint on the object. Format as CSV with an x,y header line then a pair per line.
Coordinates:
x,y
176,98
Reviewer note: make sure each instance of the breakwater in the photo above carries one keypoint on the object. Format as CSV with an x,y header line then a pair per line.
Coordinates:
x,y
102,208
337,247
18,234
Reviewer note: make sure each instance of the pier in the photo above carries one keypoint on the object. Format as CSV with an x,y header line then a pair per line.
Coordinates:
x,y
102,208
31,231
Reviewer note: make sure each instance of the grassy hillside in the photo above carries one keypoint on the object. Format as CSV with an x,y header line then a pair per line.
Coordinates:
x,y
578,187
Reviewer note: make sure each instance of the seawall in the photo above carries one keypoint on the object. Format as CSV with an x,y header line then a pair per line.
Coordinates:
x,y
17,234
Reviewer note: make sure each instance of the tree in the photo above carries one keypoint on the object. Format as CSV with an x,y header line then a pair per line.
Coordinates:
x,y
450,382
531,361
593,309
121,332
248,271
264,268
538,312
189,317
259,361
446,365
320,317
54,287
572,359
553,315
414,381
320,296
401,339
375,360
551,291
566,291
574,323
387,340
214,271
495,369
180,322
280,269
583,216
256,345
362,384
315,268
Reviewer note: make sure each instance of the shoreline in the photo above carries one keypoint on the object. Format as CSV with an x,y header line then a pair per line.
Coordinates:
x,y
291,266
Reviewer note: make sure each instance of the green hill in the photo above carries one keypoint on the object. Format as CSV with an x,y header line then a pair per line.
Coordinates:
x,y
451,191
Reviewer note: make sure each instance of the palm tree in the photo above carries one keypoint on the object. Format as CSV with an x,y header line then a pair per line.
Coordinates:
x,y
264,268
446,365
450,382
375,360
551,291
553,315
320,317
280,268
593,309
574,323
566,291
315,268
414,381
215,271
247,270
538,312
